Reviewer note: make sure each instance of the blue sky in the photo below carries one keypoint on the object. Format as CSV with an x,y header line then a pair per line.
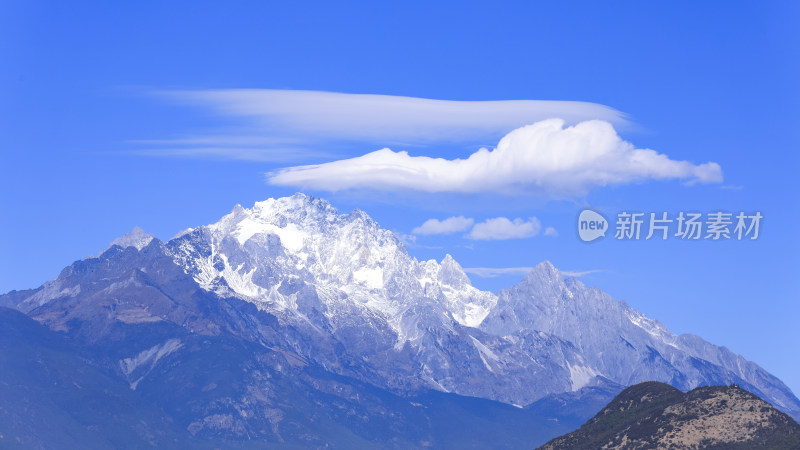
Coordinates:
x,y
115,115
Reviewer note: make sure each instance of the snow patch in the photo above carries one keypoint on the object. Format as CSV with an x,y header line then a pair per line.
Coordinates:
x,y
472,315
484,352
372,278
52,290
119,285
652,327
580,376
148,359
291,237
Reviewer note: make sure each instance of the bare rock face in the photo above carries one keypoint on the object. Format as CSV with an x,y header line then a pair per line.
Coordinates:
x,y
656,415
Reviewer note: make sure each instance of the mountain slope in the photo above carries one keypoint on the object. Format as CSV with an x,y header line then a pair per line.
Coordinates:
x,y
656,415
212,391
52,396
622,344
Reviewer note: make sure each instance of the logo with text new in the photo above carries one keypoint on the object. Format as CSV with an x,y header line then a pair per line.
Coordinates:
x,y
591,225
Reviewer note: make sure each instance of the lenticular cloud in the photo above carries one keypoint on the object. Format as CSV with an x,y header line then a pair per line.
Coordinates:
x,y
547,156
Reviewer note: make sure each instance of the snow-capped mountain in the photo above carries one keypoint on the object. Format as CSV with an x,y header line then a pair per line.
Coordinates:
x,y
355,266
351,300
620,343
137,238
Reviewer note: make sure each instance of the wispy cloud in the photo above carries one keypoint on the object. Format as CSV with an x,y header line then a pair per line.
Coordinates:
x,y
295,125
386,117
550,231
409,240
406,239
240,143
447,226
548,156
492,272
284,155
568,273
500,228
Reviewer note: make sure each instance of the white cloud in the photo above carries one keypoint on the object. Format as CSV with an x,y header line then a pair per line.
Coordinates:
x,y
501,228
550,231
270,154
384,118
407,239
446,226
491,272
547,156
294,126
568,273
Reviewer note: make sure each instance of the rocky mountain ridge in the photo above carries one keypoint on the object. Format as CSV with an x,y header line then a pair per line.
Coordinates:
x,y
339,293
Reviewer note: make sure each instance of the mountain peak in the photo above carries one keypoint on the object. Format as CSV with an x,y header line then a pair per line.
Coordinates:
x,y
296,207
359,214
137,238
545,268
452,274
448,259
